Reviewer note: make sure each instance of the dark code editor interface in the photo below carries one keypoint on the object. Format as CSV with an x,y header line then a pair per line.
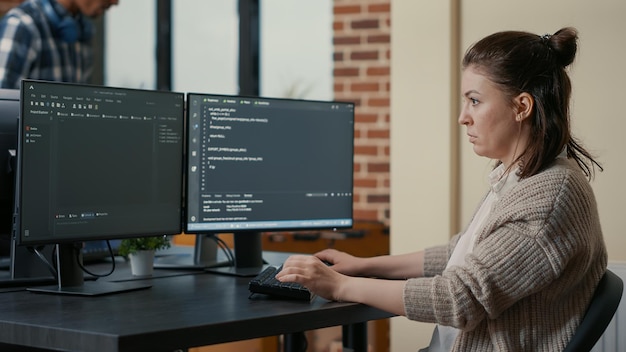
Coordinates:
x,y
256,163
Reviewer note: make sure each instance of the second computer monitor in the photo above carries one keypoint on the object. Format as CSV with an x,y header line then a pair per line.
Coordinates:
x,y
97,163
260,164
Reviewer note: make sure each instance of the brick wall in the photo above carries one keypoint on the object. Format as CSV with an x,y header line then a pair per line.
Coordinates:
x,y
362,50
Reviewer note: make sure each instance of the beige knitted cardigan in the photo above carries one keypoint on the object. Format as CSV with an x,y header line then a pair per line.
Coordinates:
x,y
532,273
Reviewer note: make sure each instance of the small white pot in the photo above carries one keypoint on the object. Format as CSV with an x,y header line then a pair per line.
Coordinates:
x,y
142,263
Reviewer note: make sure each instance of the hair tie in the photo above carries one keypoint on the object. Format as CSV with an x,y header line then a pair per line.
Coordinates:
x,y
546,38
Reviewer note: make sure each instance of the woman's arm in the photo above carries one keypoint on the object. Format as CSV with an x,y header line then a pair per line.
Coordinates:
x,y
402,266
330,284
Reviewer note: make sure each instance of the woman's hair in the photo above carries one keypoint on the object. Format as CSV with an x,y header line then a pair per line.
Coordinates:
x,y
525,62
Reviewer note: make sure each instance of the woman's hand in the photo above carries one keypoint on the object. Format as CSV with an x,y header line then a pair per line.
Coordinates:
x,y
313,274
322,280
341,262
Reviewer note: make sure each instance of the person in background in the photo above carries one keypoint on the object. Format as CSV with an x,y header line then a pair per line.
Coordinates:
x,y
521,275
48,40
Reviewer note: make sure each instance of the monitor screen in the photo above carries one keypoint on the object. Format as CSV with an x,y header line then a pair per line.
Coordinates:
x,y
98,163
260,164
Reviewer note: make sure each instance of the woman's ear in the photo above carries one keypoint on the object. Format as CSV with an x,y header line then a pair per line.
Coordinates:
x,y
524,104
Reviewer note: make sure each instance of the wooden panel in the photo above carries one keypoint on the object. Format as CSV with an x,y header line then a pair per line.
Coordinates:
x,y
365,239
258,345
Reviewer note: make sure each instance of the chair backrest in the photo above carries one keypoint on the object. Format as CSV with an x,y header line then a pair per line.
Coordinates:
x,y
599,314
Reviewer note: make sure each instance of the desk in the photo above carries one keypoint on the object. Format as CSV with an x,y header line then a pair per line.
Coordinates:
x,y
177,312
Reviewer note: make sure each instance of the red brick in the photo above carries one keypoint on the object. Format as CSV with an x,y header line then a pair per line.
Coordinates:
x,y
364,55
365,24
338,25
365,150
346,72
378,167
378,134
379,38
378,71
365,118
379,8
378,102
337,56
378,198
365,183
346,9
364,87
351,40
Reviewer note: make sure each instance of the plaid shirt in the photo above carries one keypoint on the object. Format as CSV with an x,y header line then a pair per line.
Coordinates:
x,y
30,47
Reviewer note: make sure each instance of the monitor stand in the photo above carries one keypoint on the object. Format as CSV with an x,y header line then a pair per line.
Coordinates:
x,y
70,280
205,255
248,256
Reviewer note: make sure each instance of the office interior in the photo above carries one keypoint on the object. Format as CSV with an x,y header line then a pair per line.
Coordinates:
x,y
435,180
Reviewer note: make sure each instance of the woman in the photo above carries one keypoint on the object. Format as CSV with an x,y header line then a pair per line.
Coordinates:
x,y
520,276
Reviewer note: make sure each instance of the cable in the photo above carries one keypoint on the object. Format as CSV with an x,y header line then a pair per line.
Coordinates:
x,y
93,274
227,251
43,258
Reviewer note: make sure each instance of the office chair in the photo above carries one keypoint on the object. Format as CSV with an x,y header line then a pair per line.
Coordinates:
x,y
603,305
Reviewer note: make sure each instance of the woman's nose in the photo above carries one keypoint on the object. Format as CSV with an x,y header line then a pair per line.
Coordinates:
x,y
463,118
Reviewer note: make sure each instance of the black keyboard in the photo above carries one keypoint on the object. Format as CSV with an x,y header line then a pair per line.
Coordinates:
x,y
266,283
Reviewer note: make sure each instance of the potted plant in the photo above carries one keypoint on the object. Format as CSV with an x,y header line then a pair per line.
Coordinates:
x,y
140,251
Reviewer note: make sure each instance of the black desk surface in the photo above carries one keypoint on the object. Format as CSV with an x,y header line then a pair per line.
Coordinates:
x,y
178,311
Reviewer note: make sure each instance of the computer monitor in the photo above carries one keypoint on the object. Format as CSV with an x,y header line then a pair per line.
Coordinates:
x,y
257,164
19,263
9,117
97,163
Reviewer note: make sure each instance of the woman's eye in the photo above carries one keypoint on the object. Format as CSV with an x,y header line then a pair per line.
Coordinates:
x,y
473,101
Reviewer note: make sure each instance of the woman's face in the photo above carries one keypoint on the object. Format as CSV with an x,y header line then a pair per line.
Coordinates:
x,y
490,118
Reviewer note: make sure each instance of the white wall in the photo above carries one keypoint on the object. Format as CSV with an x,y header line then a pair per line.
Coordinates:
x,y
421,139
424,101
598,77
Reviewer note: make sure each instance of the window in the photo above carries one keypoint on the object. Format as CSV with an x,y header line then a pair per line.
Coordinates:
x,y
129,57
296,58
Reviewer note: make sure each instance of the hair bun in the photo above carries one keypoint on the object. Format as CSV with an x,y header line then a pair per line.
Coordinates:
x,y
564,44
